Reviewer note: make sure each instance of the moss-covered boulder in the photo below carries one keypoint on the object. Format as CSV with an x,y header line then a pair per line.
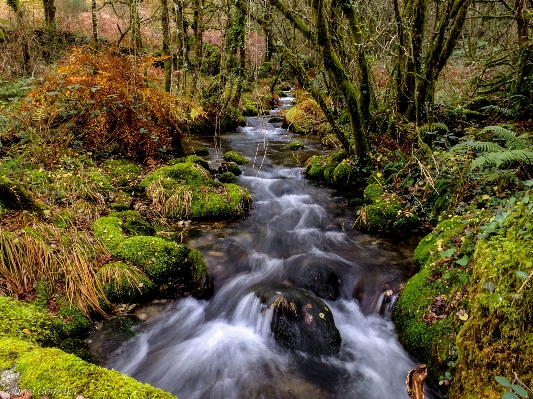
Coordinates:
x,y
314,167
383,210
52,370
231,119
181,173
321,167
234,156
249,108
133,223
306,117
123,283
301,321
187,191
294,145
202,283
165,263
230,167
227,177
15,196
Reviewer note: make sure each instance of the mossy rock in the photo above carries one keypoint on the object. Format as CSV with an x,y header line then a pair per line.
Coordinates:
x,y
181,173
227,177
295,145
305,117
108,230
133,223
230,167
198,160
202,283
231,118
347,175
301,321
330,141
122,201
249,108
14,196
163,261
202,152
497,339
233,156
315,167
372,193
123,283
52,370
122,172
379,216
73,322
77,347
28,322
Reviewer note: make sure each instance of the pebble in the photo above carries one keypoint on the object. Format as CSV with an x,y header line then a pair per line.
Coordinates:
x,y
4,395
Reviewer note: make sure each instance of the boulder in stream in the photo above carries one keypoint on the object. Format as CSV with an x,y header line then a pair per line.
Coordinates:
x,y
301,321
316,276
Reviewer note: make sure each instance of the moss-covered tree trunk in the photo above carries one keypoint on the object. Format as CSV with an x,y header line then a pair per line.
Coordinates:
x,y
441,46
198,29
182,56
49,9
135,25
94,22
522,88
166,44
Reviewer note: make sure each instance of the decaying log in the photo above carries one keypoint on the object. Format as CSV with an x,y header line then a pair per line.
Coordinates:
x,y
415,382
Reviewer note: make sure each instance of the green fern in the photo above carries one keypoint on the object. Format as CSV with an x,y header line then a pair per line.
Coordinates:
x,y
504,159
510,113
433,127
512,140
515,151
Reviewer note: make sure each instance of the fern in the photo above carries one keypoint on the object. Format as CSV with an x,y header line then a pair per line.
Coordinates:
x,y
478,146
512,140
510,113
504,159
433,127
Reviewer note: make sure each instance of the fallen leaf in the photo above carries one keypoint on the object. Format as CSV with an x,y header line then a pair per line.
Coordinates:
x,y
308,318
26,331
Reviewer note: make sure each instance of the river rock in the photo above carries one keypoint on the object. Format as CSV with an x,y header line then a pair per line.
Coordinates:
x,y
301,321
314,275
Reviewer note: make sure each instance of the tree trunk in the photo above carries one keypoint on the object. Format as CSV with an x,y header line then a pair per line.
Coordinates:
x,y
94,21
49,13
135,25
182,47
197,26
166,44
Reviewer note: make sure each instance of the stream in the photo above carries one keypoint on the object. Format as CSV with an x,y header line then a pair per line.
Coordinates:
x,y
223,348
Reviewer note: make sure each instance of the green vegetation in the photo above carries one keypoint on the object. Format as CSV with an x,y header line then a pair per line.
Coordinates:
x,y
49,369
233,156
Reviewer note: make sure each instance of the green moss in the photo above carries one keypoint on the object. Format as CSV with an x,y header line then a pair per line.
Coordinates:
x,y
108,230
315,167
163,261
72,321
379,215
227,177
123,283
201,151
347,175
233,156
28,322
77,347
122,172
372,193
133,223
230,167
231,118
122,201
249,108
64,218
52,370
181,173
220,201
198,160
498,337
305,117
14,196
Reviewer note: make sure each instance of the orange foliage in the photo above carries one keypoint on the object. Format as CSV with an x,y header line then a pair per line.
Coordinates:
x,y
106,101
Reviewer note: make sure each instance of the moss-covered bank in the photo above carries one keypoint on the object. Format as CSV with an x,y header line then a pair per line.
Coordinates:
x,y
467,312
50,371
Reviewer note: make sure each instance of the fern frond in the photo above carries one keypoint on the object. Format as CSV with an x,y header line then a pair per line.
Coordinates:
x,y
505,159
433,127
507,112
511,139
479,146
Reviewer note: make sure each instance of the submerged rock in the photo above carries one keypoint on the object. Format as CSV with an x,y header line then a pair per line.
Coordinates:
x,y
315,276
301,321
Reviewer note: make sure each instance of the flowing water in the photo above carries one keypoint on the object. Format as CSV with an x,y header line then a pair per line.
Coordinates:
x,y
222,348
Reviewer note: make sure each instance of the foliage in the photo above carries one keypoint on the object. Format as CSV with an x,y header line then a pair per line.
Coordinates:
x,y
123,283
105,101
233,156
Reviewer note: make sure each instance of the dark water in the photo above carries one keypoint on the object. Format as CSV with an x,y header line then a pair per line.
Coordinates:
x,y
223,348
